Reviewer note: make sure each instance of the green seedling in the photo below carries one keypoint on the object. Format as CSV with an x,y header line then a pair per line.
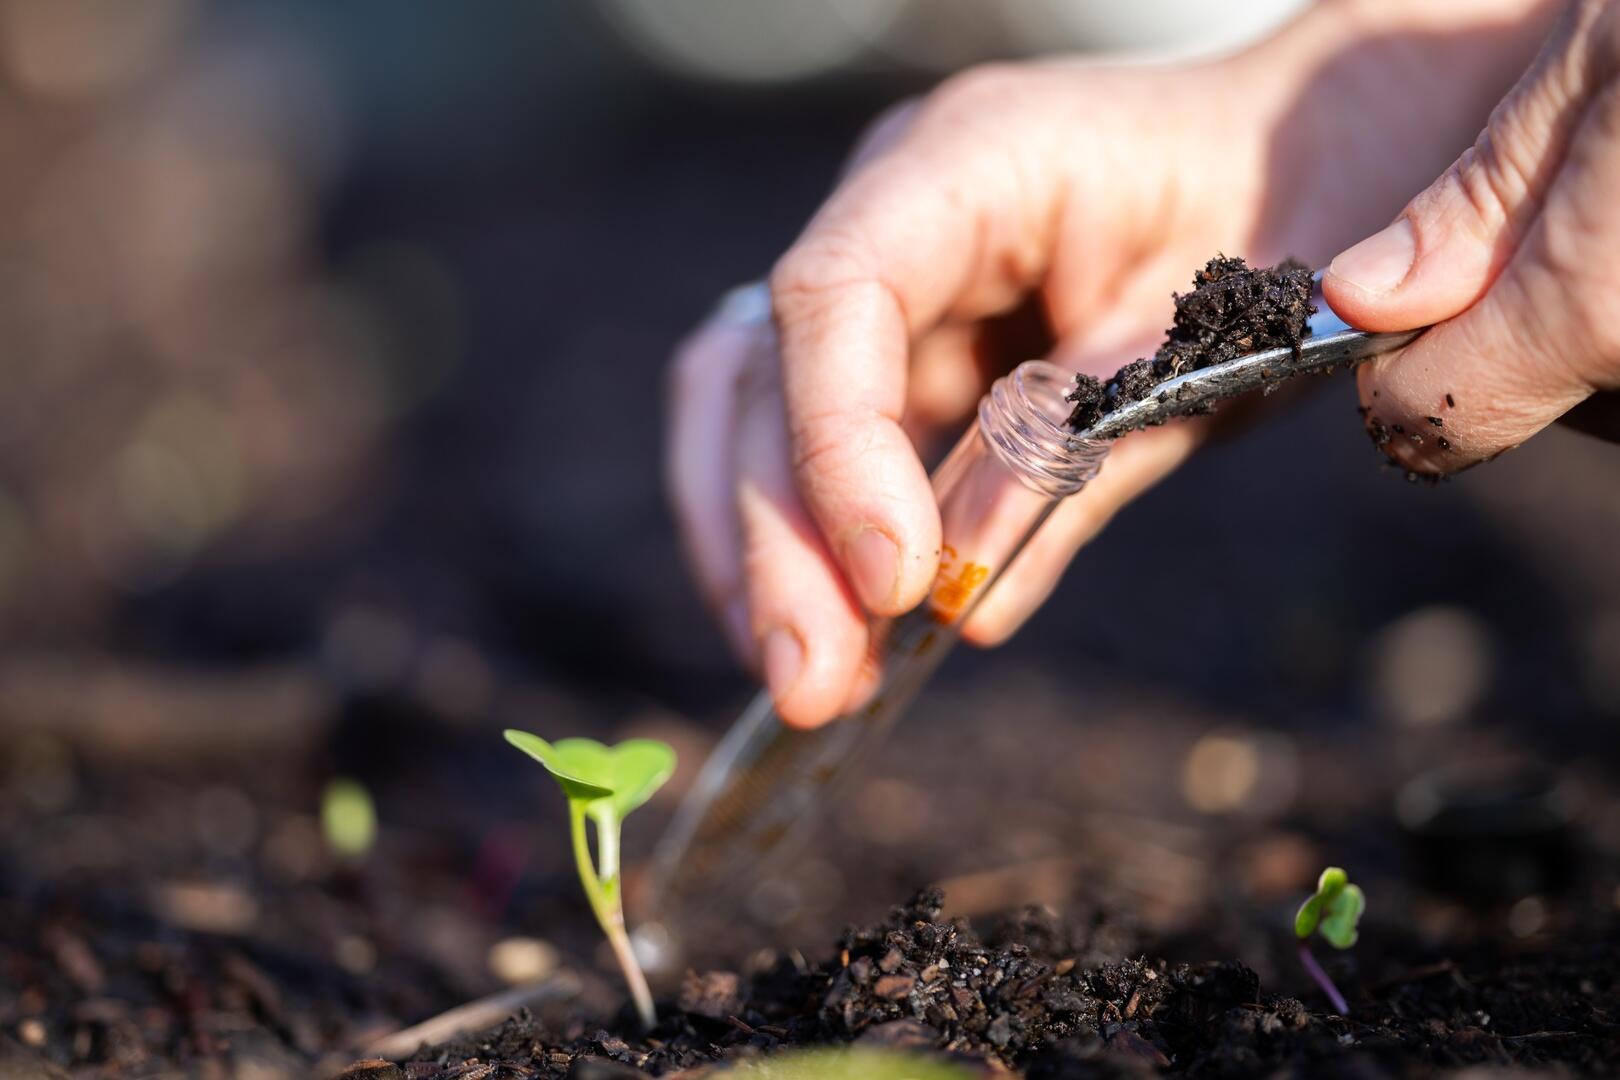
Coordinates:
x,y
348,818
605,783
848,1064
1332,912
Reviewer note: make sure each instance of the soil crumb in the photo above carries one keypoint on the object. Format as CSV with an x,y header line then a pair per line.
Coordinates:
x,y
1233,309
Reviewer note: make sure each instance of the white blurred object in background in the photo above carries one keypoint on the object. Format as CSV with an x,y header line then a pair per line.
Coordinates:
x,y
753,41
1159,28
757,41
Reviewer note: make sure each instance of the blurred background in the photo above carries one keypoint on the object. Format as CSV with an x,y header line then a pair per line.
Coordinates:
x,y
329,446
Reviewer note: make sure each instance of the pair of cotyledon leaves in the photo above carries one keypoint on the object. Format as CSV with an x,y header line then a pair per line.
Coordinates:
x,y
1333,911
626,774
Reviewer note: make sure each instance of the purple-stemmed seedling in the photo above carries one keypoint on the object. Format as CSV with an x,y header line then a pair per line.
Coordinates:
x,y
1333,912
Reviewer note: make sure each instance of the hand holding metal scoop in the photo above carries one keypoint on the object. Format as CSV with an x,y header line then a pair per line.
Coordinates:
x,y
757,796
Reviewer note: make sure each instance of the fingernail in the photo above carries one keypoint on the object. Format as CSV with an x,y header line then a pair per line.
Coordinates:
x,y
783,656
874,564
1381,262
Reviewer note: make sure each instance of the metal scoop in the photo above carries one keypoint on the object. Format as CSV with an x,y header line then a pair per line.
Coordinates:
x,y
1330,343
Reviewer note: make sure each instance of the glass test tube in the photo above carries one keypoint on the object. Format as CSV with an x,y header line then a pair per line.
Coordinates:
x,y
757,794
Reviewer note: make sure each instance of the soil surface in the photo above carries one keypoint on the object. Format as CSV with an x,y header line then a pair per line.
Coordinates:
x,y
1233,310
1033,993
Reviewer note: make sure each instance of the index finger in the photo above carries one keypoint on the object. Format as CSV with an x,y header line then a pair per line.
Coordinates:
x,y
942,224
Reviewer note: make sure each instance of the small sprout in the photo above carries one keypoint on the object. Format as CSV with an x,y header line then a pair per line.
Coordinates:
x,y
604,784
848,1064
348,819
1332,912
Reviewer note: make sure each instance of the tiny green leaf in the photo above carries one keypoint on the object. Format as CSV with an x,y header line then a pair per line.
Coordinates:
x,y
1342,915
1310,914
1331,883
627,774
565,769
639,768
1333,910
348,818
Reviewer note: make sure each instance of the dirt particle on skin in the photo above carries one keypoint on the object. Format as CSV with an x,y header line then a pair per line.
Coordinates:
x,y
1233,310
1451,402
1445,443
1436,421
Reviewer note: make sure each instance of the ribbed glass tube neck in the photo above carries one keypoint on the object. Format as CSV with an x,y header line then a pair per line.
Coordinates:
x,y
1023,419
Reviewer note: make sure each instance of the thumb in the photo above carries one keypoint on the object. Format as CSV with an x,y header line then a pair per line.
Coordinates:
x,y
1502,254
1453,240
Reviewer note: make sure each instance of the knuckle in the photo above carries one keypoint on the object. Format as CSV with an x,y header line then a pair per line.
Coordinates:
x,y
828,445
833,259
1497,183
1511,165
979,90
1476,188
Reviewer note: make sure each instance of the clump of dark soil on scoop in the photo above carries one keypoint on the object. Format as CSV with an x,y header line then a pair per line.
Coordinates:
x,y
1035,994
1233,310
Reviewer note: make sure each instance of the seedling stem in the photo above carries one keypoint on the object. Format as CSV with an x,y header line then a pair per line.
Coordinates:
x,y
604,784
606,899
1315,971
1333,912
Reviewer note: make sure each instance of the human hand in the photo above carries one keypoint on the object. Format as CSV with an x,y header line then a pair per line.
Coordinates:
x,y
796,470
1082,193
1515,252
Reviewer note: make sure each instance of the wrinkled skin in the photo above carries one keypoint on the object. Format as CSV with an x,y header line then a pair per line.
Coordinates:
x,y
1515,251
1088,193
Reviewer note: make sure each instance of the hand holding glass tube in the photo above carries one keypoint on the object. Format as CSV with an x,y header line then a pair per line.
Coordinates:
x,y
758,791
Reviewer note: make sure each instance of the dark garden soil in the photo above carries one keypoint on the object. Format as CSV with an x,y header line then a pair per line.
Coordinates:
x,y
1232,310
1031,994
152,925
